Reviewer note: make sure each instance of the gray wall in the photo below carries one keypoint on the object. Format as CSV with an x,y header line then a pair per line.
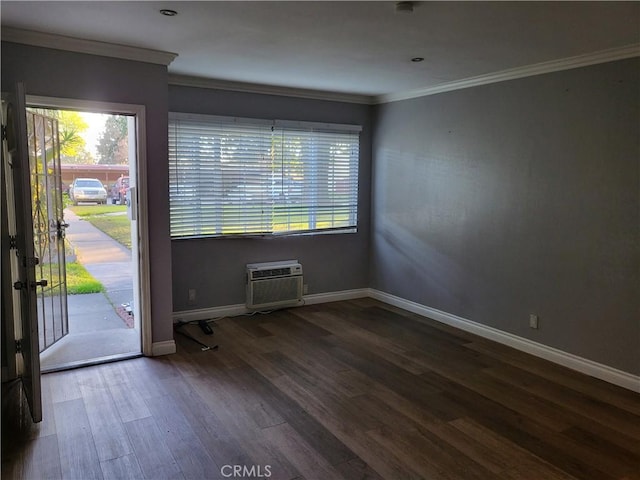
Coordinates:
x,y
55,73
216,267
514,198
489,203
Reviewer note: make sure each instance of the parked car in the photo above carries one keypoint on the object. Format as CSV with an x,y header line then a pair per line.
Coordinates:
x,y
119,190
87,190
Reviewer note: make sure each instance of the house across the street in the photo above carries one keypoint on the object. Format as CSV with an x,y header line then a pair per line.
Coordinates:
x,y
107,174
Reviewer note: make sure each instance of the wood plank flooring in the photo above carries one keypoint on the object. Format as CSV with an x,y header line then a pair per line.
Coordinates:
x,y
353,390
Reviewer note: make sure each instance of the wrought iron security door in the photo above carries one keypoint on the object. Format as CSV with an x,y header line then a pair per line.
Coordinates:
x,y
48,227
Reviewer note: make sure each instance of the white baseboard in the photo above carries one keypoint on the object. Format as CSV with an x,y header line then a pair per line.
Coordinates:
x,y
210,313
241,309
163,348
574,362
336,296
569,360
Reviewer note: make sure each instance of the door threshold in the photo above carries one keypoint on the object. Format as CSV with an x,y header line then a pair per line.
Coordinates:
x,y
91,362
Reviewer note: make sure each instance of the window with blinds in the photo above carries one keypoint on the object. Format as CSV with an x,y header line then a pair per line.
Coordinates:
x,y
236,176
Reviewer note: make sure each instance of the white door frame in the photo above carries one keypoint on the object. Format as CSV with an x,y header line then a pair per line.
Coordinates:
x,y
141,168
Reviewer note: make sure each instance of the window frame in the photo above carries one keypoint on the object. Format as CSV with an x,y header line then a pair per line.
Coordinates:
x,y
277,127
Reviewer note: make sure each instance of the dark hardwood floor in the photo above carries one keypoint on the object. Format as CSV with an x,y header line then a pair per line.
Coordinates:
x,y
354,390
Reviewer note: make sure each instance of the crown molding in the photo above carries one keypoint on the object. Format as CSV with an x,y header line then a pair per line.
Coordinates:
x,y
92,47
200,82
603,56
594,58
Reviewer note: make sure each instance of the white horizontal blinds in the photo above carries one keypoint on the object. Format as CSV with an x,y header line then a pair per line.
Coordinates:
x,y
216,166
241,176
245,167
320,179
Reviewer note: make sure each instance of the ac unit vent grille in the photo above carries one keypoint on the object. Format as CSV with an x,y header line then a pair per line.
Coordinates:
x,y
276,290
274,272
274,284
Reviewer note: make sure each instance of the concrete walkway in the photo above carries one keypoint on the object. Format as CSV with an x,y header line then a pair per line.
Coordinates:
x,y
95,329
104,258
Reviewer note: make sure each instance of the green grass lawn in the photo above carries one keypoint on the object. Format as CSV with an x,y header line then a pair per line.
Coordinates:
x,y
268,218
90,210
80,281
117,227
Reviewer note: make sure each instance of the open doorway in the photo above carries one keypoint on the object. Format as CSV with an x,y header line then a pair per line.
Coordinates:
x,y
98,169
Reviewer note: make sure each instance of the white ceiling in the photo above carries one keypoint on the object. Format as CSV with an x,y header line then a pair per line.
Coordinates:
x,y
345,47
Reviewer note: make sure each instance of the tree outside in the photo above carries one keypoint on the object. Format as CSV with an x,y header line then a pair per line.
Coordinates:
x,y
71,126
113,148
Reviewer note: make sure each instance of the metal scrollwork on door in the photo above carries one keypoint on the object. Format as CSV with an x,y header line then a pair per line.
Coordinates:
x,y
48,228
40,232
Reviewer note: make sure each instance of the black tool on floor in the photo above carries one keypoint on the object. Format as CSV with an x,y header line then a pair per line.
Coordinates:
x,y
205,327
205,347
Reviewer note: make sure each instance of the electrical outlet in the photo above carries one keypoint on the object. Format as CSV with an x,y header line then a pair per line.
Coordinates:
x,y
192,295
305,289
533,321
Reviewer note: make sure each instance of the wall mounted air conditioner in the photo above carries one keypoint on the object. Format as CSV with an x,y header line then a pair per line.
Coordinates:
x,y
274,284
